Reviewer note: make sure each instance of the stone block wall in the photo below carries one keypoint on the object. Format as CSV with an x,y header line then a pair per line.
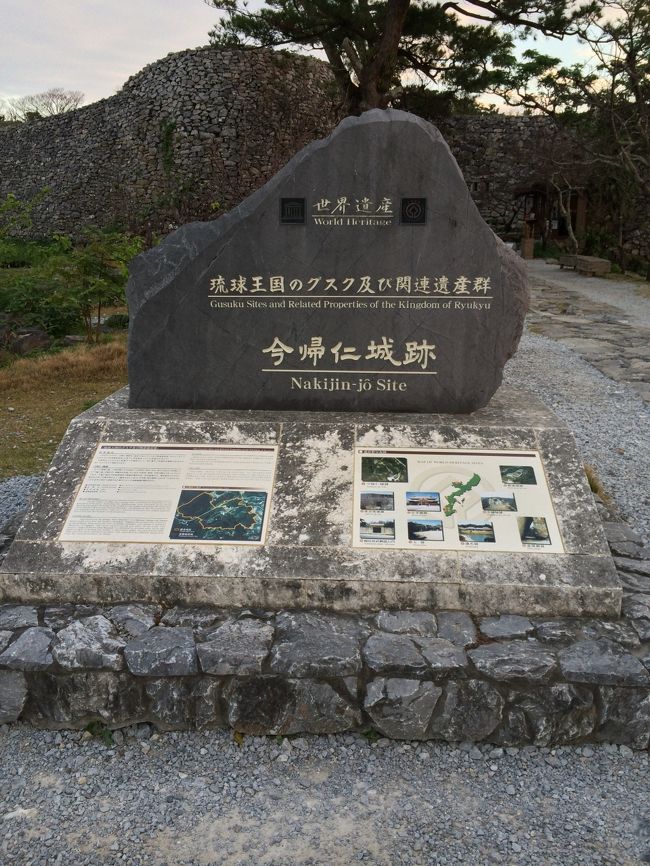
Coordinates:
x,y
191,135
186,138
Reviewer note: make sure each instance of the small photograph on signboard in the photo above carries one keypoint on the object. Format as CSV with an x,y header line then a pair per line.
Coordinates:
x,y
533,530
500,500
518,475
482,532
387,469
378,502
379,528
422,501
425,530
219,515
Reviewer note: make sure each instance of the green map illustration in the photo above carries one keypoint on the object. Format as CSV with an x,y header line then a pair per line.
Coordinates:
x,y
460,489
219,515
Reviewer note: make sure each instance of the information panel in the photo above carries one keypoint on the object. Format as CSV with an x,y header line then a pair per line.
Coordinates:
x,y
453,500
175,493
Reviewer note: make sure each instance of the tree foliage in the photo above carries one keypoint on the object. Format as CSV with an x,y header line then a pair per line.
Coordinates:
x,y
602,107
373,45
604,102
56,100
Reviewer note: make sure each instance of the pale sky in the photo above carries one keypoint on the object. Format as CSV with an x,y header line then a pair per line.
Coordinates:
x,y
95,45
92,45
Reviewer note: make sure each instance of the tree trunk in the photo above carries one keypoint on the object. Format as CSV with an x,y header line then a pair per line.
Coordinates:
x,y
376,76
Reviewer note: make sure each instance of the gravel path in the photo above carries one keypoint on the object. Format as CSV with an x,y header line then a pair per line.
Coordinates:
x,y
610,422
200,800
617,293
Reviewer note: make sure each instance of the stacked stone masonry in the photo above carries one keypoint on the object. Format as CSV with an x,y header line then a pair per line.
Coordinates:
x,y
408,675
193,134
186,138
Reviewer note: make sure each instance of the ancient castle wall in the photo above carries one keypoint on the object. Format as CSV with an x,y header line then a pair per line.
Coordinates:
x,y
186,138
193,134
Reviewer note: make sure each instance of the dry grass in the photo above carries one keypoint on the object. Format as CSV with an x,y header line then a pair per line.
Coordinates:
x,y
596,484
39,397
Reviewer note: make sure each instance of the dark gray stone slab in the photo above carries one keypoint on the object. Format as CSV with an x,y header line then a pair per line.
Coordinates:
x,y
407,622
89,643
394,654
637,608
457,627
162,652
625,716
446,294
557,630
177,703
132,620
514,660
191,617
276,705
620,631
236,648
506,626
401,708
78,698
13,694
14,616
61,615
5,637
443,656
601,662
470,710
30,651
316,645
548,715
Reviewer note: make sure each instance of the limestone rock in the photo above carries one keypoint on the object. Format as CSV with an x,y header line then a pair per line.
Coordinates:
x,y
407,622
442,655
182,702
514,660
506,626
401,708
78,698
89,643
162,652
470,710
625,716
59,616
13,616
457,627
601,662
637,608
30,651
238,647
394,654
132,620
316,645
13,694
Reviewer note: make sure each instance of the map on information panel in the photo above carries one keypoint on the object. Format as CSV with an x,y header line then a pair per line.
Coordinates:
x,y
174,493
219,515
453,500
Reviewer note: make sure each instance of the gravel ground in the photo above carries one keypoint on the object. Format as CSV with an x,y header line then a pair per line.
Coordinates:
x,y
617,293
195,799
609,420
15,494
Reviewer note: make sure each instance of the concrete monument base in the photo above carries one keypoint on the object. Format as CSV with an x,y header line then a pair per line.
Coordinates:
x,y
308,560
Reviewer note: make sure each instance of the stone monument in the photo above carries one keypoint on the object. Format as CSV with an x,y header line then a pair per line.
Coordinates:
x,y
313,417
361,277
